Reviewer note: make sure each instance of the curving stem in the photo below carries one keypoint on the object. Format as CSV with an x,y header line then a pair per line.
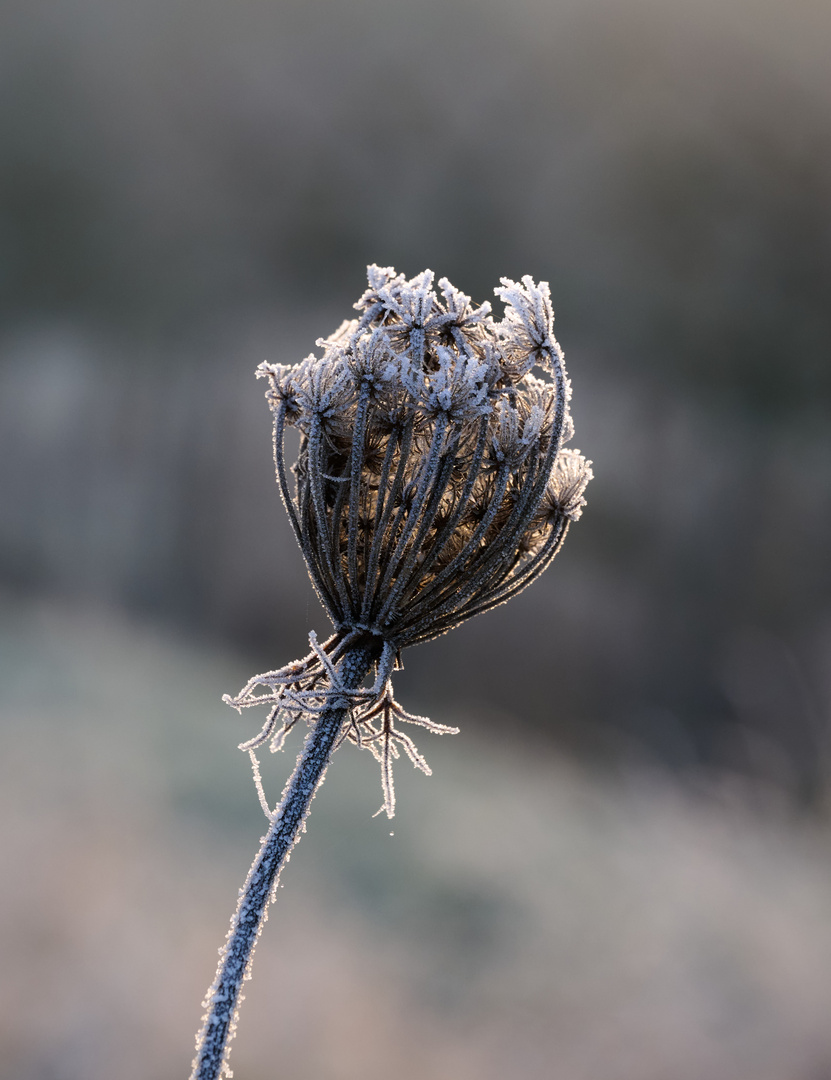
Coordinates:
x,y
222,1000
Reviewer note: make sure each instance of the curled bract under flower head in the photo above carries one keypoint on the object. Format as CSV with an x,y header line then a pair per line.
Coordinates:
x,y
432,482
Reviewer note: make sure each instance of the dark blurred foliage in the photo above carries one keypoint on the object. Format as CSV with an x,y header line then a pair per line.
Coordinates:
x,y
186,189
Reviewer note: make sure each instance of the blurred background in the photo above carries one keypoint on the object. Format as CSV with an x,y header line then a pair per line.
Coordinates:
x,y
188,189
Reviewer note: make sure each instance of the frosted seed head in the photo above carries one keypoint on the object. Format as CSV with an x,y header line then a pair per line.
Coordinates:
x,y
383,283
530,319
432,459
430,485
282,390
565,492
372,361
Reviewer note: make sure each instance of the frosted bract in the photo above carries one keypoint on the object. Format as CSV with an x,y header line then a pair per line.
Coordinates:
x,y
431,485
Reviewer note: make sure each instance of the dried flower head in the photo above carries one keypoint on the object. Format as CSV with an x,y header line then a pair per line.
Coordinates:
x,y
431,484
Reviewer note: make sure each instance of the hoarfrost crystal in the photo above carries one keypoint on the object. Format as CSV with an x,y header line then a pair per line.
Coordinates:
x,y
431,485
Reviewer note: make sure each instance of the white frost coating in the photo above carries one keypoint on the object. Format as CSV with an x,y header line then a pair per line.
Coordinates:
x,y
569,480
258,783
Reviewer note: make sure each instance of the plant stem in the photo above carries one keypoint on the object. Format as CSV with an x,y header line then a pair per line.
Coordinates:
x,y
222,999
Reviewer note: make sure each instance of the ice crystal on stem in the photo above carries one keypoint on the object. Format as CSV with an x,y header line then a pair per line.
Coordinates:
x,y
432,484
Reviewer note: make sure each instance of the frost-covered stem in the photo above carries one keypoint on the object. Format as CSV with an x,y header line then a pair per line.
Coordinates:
x,y
222,1000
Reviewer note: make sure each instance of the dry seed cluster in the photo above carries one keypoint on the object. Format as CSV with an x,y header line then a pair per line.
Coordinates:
x,y
432,483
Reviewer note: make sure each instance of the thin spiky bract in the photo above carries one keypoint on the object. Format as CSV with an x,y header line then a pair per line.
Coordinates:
x,y
431,485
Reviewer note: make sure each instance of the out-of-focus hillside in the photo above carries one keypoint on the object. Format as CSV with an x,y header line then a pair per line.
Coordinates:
x,y
519,916
186,190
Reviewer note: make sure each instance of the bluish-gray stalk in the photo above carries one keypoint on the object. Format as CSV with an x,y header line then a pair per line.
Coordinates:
x,y
222,1000
431,484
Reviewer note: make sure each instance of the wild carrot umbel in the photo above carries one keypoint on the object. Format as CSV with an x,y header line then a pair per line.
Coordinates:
x,y
431,485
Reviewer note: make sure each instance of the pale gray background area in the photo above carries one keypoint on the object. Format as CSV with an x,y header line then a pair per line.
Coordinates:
x,y
619,868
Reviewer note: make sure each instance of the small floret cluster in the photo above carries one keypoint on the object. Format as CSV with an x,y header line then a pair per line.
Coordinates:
x,y
432,483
